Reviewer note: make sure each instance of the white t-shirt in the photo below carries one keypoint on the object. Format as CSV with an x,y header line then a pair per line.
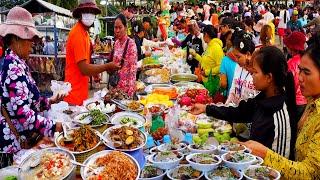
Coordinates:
x,y
282,22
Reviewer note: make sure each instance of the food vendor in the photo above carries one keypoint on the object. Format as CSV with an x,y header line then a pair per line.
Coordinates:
x,y
79,49
21,124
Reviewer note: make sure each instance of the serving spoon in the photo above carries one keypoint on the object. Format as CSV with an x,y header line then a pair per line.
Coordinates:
x,y
95,171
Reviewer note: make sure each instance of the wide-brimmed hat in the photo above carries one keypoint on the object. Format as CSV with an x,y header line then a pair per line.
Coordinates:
x,y
85,5
295,41
20,23
257,27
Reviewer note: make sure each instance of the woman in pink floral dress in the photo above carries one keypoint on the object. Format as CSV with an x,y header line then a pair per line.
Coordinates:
x,y
128,71
19,95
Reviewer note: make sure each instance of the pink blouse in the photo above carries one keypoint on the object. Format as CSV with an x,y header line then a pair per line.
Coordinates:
x,y
293,67
128,71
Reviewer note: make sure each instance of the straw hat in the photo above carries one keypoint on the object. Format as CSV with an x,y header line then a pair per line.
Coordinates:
x,y
84,6
20,23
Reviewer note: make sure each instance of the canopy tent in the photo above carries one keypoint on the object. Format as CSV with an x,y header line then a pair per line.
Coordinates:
x,y
40,6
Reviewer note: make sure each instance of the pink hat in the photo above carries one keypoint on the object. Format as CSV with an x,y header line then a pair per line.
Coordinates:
x,y
84,6
295,41
20,23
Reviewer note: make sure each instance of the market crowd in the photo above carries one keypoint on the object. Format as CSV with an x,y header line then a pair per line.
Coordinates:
x,y
260,63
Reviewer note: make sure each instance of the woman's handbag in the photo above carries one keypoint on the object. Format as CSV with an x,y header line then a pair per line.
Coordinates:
x,y
28,139
115,77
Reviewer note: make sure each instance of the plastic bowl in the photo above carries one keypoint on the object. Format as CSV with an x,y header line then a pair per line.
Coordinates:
x,y
164,147
222,150
169,173
255,167
165,165
203,167
160,177
238,165
209,151
208,178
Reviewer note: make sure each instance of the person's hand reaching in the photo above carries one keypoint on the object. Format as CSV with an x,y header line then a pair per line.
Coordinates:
x,y
198,109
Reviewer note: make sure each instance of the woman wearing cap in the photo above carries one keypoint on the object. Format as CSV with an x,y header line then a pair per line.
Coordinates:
x,y
78,55
20,98
294,24
306,164
295,43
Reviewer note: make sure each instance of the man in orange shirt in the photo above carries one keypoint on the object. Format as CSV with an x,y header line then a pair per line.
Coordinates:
x,y
78,47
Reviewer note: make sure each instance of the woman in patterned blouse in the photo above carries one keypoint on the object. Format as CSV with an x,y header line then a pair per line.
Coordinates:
x,y
307,148
128,71
19,95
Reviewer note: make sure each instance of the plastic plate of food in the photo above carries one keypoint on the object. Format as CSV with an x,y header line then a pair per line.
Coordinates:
x,y
100,105
261,172
184,172
151,172
238,160
203,162
166,159
9,173
94,118
223,172
150,87
51,163
128,118
110,165
124,138
183,77
130,105
76,144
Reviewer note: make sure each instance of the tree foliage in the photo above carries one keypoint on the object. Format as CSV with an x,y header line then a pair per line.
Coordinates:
x,y
8,4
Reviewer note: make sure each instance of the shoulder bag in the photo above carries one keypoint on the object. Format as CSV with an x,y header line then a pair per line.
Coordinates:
x,y
115,77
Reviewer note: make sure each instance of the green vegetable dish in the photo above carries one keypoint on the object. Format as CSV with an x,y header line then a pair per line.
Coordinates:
x,y
10,178
98,118
129,120
205,159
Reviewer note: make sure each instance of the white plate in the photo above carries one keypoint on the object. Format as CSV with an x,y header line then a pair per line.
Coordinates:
x,y
125,106
60,136
90,160
116,119
203,167
77,120
110,143
25,165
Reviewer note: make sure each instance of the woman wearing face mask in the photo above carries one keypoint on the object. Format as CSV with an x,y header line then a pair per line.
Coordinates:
x,y
20,100
125,55
78,55
270,113
306,164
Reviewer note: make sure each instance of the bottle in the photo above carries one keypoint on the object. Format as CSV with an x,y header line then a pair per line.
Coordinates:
x,y
166,139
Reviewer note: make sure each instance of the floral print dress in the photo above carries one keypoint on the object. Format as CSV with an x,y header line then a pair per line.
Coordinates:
x,y
21,98
128,71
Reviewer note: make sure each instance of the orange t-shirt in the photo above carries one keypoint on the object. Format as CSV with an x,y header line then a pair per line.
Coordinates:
x,y
215,19
78,49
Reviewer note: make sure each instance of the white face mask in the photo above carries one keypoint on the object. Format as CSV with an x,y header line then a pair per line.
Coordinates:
x,y
88,19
